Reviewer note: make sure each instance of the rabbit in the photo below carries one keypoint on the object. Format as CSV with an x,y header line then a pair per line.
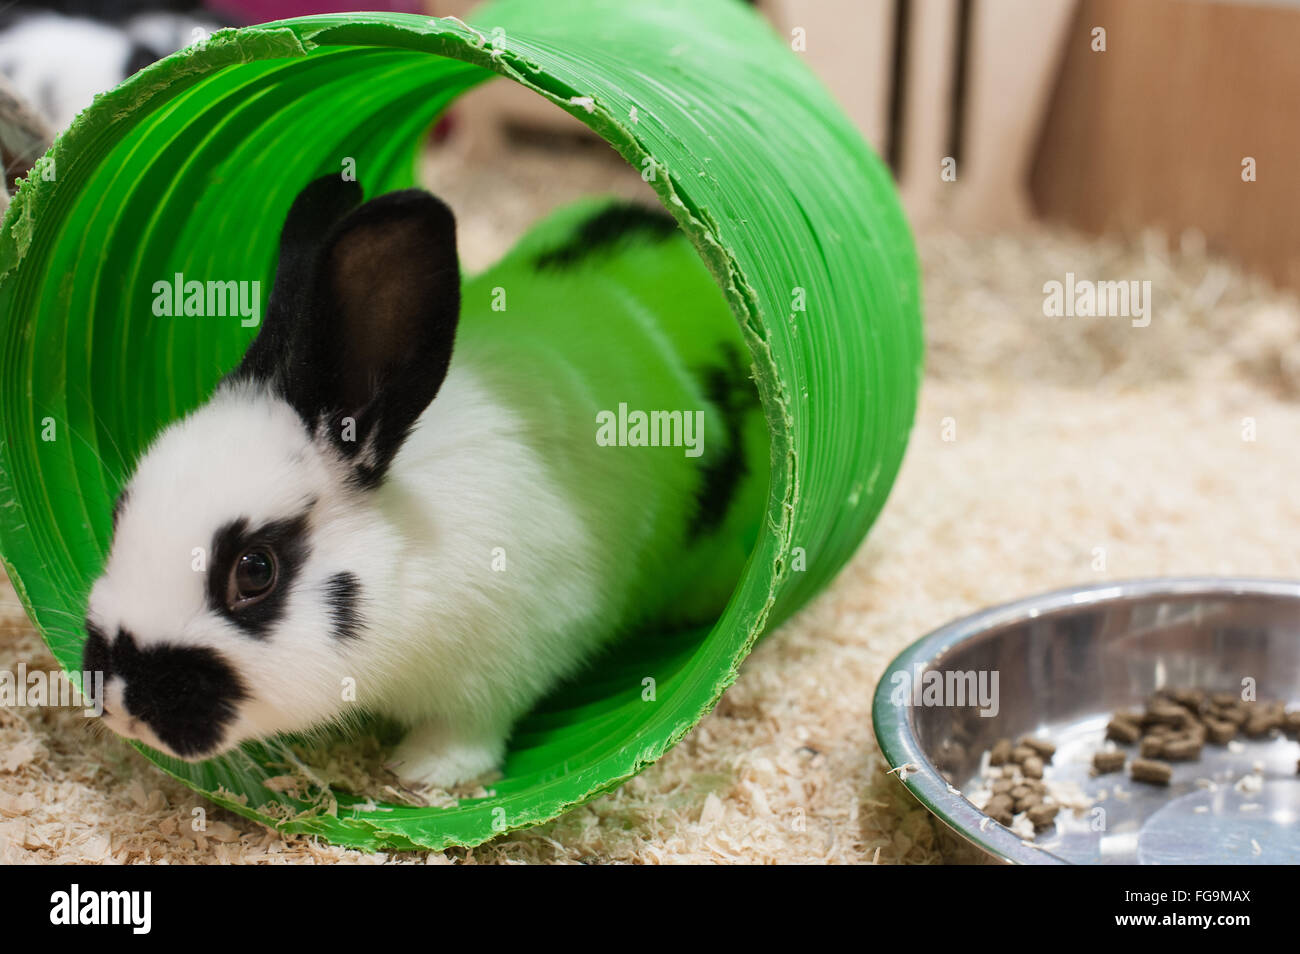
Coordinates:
x,y
385,524
59,55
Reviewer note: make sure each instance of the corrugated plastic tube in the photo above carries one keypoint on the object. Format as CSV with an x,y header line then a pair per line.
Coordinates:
x,y
189,167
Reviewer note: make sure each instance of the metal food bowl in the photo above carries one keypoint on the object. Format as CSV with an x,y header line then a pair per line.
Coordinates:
x,y
1057,666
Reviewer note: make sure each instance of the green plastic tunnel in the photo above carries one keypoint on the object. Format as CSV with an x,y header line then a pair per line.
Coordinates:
x,y
180,169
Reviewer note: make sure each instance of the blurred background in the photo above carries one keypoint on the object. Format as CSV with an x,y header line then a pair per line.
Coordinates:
x,y
1145,124
1108,116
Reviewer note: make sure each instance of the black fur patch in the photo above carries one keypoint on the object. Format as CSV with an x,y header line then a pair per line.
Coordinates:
x,y
186,694
276,354
139,57
362,317
729,389
95,653
118,505
342,593
606,229
287,540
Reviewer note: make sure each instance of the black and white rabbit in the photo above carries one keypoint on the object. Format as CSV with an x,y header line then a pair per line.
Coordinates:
x,y
450,559
58,55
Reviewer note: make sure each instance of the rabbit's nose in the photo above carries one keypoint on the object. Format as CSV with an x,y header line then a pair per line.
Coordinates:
x,y
185,695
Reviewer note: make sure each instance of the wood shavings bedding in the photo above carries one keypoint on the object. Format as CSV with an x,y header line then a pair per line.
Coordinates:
x,y
357,766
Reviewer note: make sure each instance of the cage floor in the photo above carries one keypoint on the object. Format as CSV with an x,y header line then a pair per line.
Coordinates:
x,y
1044,448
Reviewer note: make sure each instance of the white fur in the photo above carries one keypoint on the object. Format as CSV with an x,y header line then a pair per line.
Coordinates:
x,y
59,63
168,32
451,646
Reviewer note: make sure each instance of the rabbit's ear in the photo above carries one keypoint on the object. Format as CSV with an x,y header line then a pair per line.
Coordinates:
x,y
359,328
314,213
386,301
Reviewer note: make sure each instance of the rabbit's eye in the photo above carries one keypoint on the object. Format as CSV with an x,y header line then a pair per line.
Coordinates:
x,y
252,578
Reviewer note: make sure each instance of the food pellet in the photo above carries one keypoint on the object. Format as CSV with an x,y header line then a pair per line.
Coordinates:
x,y
1235,714
1000,752
999,809
999,803
1258,725
1020,753
1182,750
1122,730
1103,763
1044,748
1041,816
1151,746
1033,767
1028,802
1219,731
1193,699
1149,770
1168,713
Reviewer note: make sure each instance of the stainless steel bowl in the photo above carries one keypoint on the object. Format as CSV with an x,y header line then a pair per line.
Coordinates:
x,y
1064,662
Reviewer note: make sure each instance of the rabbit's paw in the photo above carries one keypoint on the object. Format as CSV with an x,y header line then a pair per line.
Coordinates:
x,y
430,756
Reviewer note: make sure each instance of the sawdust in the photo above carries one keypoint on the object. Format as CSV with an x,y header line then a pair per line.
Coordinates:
x,y
1069,434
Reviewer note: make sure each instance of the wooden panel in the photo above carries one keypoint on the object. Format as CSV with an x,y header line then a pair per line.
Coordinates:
x,y
1013,51
1153,131
849,47
927,106
1016,49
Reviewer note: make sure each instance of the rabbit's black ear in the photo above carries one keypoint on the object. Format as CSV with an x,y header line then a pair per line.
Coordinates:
x,y
314,213
359,328
386,289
